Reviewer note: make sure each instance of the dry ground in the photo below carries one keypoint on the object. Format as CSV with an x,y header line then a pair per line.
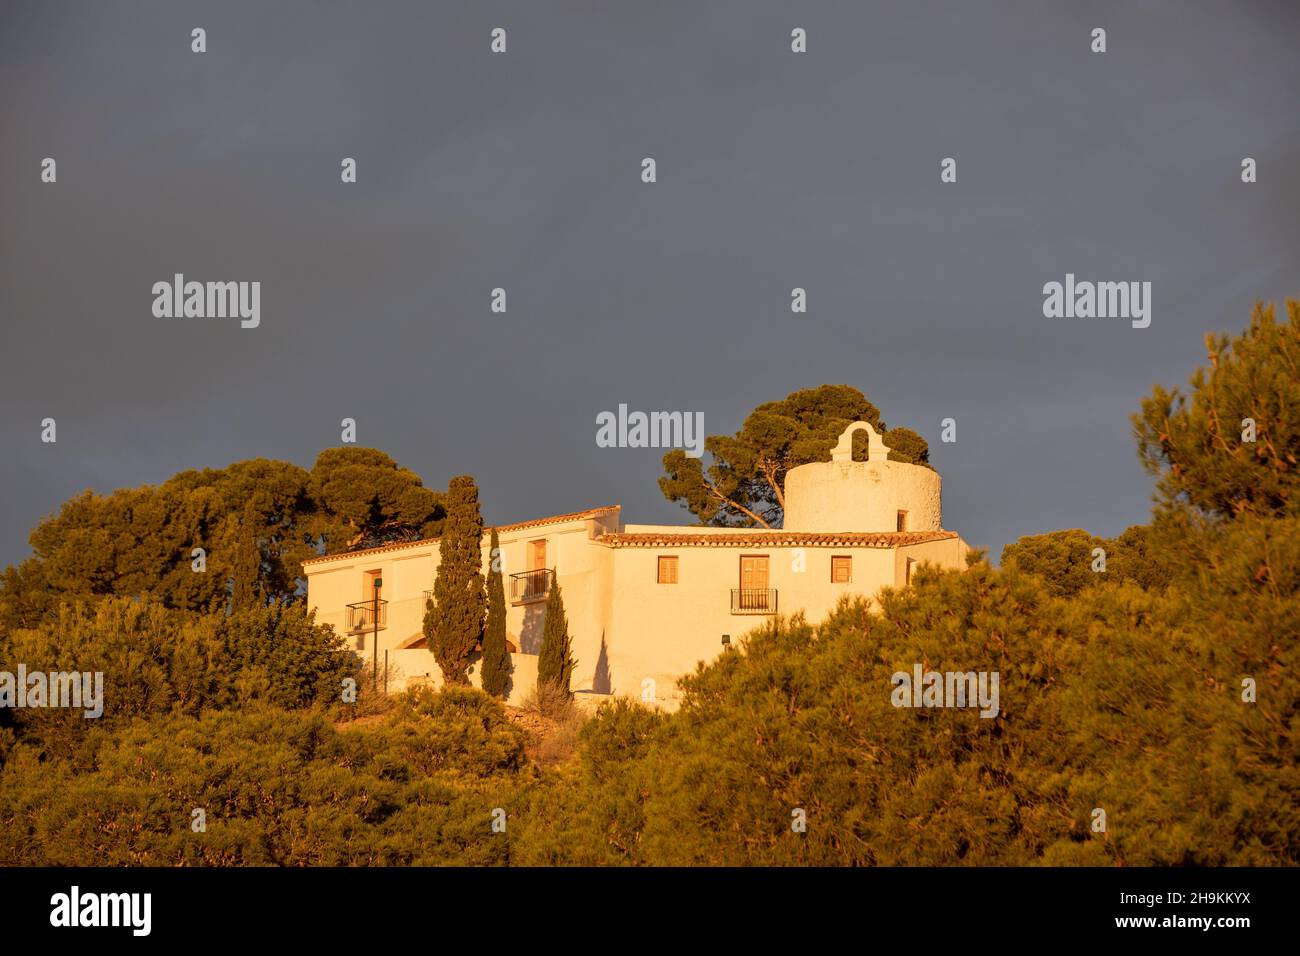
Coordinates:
x,y
552,740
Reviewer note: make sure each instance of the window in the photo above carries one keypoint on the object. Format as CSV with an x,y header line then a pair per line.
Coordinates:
x,y
668,569
907,571
369,613
902,521
753,596
537,555
753,572
841,569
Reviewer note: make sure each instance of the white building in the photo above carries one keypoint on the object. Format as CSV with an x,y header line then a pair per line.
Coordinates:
x,y
646,603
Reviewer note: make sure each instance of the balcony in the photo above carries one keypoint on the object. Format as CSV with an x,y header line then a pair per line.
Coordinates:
x,y
753,600
530,586
363,615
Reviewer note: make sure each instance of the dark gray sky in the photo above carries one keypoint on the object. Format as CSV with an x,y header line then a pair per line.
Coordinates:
x,y
775,170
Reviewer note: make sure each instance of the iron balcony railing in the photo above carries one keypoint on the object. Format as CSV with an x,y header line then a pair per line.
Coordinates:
x,y
362,615
428,596
753,600
530,586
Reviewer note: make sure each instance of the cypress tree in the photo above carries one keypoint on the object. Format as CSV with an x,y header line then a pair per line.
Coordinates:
x,y
453,624
554,662
496,659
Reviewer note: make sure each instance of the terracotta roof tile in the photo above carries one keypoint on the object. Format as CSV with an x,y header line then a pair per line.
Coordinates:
x,y
774,539
518,526
557,519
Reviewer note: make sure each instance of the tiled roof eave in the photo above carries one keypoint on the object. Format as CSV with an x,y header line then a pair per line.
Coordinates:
x,y
776,539
501,528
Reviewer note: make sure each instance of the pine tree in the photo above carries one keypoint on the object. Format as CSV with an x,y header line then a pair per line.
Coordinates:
x,y
743,487
555,661
247,563
453,626
496,659
1229,446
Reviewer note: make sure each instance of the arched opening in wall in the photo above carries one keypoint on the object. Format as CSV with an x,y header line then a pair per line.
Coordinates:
x,y
856,436
861,445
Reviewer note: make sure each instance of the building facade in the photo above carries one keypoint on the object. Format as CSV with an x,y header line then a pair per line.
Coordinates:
x,y
647,603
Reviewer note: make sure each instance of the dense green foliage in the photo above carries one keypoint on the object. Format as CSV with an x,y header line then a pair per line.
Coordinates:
x,y
275,787
157,661
496,657
743,486
555,657
255,521
453,624
1066,560
138,541
1162,693
1194,442
365,499
1115,698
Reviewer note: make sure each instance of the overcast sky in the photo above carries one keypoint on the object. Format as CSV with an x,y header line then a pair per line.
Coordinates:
x,y
522,170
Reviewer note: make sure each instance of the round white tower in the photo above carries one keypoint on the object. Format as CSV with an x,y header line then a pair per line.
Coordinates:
x,y
873,495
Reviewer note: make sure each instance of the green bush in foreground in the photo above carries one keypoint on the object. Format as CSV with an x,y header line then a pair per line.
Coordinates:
x,y
275,787
159,661
1159,696
1116,699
